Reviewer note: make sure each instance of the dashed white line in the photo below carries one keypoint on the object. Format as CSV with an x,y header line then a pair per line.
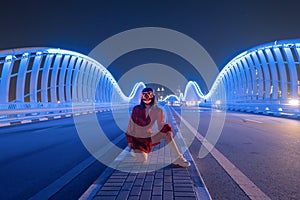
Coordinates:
x,y
251,120
25,121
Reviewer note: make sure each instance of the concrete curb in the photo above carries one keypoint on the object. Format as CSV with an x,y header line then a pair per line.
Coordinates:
x,y
200,187
45,118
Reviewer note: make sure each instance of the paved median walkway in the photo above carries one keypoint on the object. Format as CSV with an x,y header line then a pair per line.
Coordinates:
x,y
157,179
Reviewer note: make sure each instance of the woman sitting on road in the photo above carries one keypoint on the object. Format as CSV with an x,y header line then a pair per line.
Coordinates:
x,y
139,134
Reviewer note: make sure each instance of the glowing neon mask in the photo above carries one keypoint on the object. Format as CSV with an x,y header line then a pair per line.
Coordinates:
x,y
147,97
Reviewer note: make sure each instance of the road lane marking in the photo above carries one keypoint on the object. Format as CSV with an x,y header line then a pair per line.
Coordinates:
x,y
95,187
251,120
25,121
43,119
199,185
250,189
58,184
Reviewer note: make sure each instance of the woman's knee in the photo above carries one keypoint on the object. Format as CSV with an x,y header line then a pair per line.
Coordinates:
x,y
169,136
166,128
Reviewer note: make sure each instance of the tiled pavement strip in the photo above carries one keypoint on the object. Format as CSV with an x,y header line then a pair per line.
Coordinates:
x,y
128,179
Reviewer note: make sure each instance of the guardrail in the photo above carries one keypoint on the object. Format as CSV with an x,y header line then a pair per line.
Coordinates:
x,y
21,113
278,110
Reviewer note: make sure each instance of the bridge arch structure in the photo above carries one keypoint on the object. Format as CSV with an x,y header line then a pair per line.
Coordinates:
x,y
31,77
265,79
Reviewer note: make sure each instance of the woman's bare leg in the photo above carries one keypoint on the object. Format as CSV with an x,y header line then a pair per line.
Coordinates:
x,y
140,155
172,145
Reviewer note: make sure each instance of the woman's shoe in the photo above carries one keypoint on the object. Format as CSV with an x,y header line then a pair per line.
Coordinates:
x,y
182,162
140,156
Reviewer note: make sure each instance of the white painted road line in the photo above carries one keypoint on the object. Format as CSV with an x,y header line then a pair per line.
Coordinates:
x,y
25,121
9,122
241,179
94,188
251,120
58,184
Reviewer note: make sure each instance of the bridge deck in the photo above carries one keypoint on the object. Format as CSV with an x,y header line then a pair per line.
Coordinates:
x,y
153,180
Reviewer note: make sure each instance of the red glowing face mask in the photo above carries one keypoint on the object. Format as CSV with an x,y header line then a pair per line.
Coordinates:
x,y
147,97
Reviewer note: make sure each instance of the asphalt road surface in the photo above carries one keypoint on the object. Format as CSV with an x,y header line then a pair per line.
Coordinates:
x,y
34,156
266,150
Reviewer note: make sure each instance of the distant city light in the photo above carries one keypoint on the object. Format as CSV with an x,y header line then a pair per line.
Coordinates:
x,y
218,102
294,102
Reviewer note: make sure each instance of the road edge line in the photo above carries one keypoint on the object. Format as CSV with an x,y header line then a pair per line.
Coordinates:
x,y
250,189
59,183
201,191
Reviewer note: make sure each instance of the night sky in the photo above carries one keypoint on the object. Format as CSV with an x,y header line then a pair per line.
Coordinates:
x,y
223,28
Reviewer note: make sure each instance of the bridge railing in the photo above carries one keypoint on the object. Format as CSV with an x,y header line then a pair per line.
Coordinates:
x,y
273,109
21,111
47,81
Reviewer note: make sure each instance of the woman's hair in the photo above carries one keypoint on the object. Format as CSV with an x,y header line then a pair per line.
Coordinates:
x,y
153,102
